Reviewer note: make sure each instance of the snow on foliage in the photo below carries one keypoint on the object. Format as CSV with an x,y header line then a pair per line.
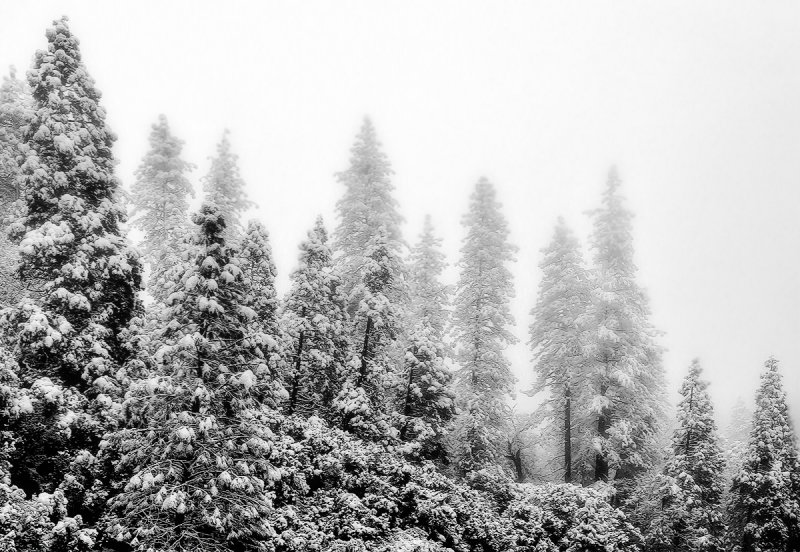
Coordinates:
x,y
482,321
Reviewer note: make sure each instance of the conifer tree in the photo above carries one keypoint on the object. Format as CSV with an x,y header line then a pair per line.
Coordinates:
x,y
316,319
691,518
160,206
363,401
367,206
482,321
71,338
626,376
429,297
766,506
258,267
558,337
199,443
71,234
224,187
426,402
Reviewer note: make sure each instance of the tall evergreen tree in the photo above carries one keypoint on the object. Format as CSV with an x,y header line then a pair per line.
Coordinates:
x,y
691,518
766,501
316,319
224,187
429,297
199,443
71,234
71,340
482,321
160,206
363,401
558,337
626,377
426,403
367,206
258,267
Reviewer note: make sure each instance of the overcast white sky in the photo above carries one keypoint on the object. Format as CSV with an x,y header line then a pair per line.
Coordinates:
x,y
697,103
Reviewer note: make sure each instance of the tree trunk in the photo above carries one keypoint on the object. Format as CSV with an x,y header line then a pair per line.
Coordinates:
x,y
362,375
407,403
567,434
601,463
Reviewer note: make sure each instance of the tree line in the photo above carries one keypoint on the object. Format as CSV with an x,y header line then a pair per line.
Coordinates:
x,y
369,408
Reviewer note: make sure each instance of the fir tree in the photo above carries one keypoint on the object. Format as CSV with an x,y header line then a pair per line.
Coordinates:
x,y
225,188
691,516
558,337
429,297
71,342
72,229
626,377
258,267
316,319
367,206
426,403
482,319
766,507
160,206
199,444
363,401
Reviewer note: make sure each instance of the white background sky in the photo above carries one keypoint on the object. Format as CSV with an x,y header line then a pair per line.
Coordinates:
x,y
698,105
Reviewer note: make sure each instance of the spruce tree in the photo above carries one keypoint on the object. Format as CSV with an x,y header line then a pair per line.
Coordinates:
x,y
626,376
482,321
362,404
367,206
691,518
160,206
258,267
426,402
429,298
71,340
765,514
71,233
199,443
317,322
558,337
224,187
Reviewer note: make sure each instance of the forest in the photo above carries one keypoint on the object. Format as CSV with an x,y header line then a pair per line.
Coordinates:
x,y
157,394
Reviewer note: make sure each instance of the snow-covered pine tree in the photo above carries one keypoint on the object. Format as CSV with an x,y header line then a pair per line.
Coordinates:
x,y
224,187
367,206
626,376
71,234
363,402
159,197
482,320
691,515
71,339
429,297
258,268
426,402
765,514
558,336
316,320
15,114
199,442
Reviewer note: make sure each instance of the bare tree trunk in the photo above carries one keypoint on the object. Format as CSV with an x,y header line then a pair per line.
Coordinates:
x,y
297,365
601,463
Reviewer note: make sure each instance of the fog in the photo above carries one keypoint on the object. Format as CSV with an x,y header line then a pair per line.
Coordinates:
x,y
699,107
